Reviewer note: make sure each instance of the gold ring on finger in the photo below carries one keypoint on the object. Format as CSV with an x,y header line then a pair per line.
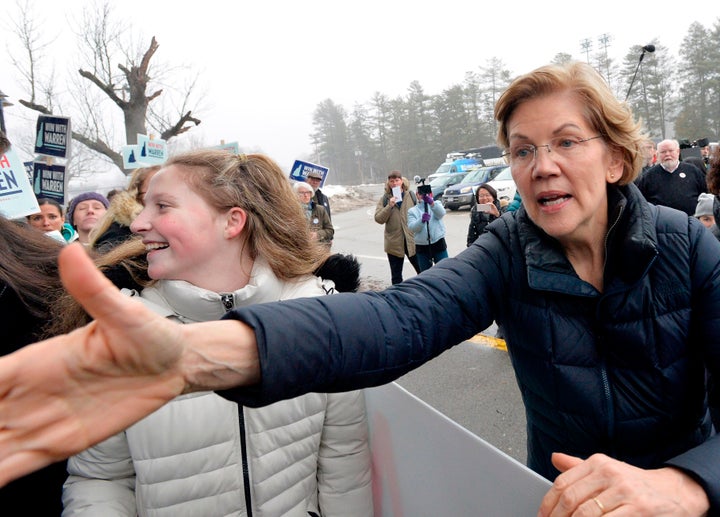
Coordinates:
x,y
599,504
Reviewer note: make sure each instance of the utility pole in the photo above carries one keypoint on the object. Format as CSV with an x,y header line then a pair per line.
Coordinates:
x,y
604,41
586,45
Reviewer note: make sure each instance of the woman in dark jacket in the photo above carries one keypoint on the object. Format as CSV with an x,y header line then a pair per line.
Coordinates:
x,y
485,210
611,307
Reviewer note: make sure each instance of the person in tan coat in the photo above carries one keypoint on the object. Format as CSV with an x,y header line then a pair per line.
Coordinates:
x,y
391,210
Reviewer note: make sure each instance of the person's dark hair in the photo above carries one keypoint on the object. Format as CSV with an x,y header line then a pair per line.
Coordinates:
x,y
713,173
491,190
47,201
4,143
28,266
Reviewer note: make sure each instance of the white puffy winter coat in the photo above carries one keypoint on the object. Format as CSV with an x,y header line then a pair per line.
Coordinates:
x,y
201,455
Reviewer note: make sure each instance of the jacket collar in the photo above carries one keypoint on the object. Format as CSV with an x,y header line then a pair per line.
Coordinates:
x,y
631,246
191,303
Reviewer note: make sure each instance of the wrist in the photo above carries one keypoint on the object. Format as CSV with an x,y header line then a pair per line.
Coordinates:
x,y
220,355
693,495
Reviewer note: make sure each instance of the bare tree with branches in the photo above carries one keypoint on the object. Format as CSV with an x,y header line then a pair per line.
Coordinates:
x,y
117,73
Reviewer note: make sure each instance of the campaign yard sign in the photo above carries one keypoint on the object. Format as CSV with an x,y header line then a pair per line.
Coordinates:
x,y
151,151
301,169
147,152
232,147
49,181
16,195
53,136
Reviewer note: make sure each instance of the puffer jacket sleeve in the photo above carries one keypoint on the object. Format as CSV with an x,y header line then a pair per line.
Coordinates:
x,y
703,462
344,475
414,219
101,481
349,341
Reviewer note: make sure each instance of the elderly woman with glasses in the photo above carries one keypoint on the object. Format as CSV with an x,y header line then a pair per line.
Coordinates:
x,y
611,310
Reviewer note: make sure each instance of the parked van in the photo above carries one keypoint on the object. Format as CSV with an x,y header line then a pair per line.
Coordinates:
x,y
455,166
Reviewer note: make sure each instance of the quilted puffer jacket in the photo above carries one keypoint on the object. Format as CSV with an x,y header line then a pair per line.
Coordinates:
x,y
620,371
201,455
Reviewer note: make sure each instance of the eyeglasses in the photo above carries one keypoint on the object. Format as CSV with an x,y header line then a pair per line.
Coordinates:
x,y
523,155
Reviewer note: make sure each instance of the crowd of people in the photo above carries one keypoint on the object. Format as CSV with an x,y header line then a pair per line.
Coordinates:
x,y
605,278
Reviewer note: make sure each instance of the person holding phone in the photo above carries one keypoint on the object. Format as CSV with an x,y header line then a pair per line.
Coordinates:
x,y
486,210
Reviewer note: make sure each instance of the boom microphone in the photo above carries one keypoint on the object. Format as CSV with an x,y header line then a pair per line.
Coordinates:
x,y
646,48
417,179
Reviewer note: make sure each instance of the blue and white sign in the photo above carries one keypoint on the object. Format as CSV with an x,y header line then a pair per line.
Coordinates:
x,y
53,136
49,181
151,151
147,152
16,194
301,169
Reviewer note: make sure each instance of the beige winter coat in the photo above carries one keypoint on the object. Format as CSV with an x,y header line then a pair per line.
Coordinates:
x,y
397,233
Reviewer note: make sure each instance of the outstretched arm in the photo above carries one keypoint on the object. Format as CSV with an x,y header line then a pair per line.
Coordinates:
x,y
62,395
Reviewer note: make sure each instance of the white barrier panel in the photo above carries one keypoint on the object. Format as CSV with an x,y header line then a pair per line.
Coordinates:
x,y
426,464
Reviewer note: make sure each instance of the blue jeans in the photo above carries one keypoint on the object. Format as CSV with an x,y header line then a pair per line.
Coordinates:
x,y
432,254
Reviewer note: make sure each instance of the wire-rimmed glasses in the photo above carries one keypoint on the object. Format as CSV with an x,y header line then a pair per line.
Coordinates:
x,y
523,155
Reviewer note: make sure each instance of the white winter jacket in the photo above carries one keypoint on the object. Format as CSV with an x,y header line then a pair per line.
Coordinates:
x,y
201,455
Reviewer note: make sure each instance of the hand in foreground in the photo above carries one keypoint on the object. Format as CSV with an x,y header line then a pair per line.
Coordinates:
x,y
425,217
62,395
601,485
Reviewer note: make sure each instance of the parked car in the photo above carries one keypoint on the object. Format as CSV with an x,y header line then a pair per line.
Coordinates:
x,y
505,185
455,166
463,193
443,181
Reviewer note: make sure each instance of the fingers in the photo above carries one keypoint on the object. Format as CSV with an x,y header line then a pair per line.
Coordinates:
x,y
580,480
564,462
100,298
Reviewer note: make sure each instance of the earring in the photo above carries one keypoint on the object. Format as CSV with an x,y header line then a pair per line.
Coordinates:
x,y
612,175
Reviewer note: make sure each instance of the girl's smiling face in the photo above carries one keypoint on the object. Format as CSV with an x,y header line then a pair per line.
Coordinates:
x,y
186,238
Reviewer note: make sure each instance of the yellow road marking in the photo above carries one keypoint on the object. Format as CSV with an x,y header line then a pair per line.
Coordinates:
x,y
482,339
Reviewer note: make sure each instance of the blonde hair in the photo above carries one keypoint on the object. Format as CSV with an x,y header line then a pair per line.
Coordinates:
x,y
604,112
276,228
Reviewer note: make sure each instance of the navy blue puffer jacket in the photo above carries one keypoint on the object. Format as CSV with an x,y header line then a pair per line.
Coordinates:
x,y
620,371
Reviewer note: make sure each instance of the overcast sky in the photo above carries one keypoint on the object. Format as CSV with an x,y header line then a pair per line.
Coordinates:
x,y
267,64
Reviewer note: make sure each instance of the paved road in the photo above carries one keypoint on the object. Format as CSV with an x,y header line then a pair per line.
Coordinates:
x,y
473,383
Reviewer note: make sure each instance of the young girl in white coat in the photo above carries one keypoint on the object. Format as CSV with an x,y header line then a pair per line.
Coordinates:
x,y
223,231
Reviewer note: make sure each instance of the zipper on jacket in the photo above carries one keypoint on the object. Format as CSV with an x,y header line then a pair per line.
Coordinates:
x,y
227,300
245,467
